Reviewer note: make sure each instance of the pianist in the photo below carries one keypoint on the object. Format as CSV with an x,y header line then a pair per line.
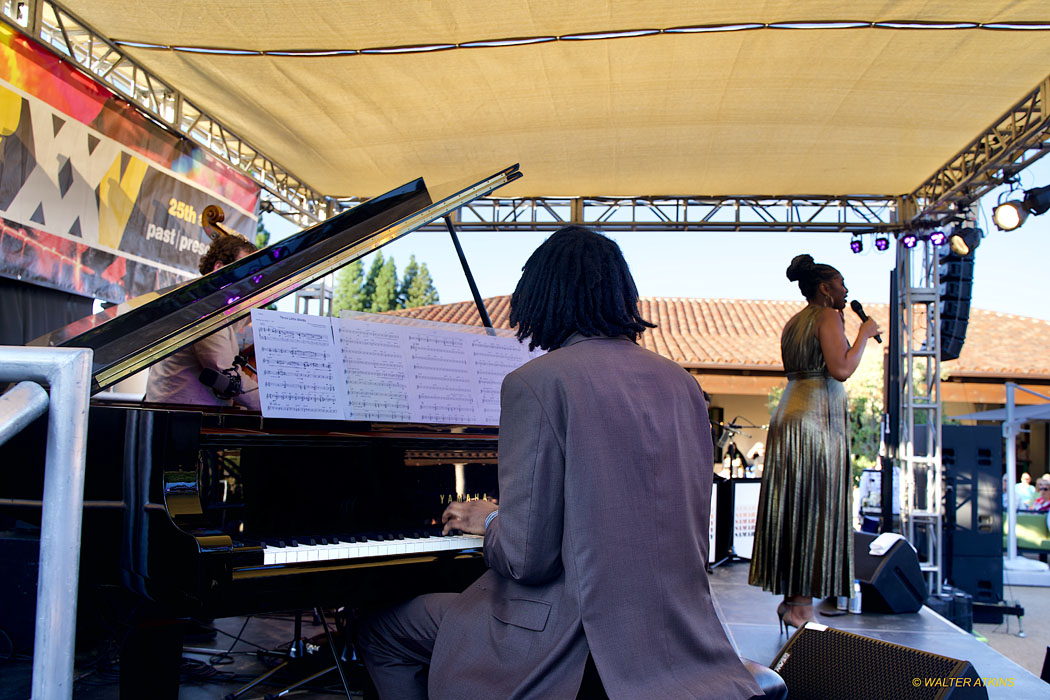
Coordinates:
x,y
177,378
597,551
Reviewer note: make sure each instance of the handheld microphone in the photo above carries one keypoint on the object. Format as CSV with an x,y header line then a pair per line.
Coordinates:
x,y
226,384
859,310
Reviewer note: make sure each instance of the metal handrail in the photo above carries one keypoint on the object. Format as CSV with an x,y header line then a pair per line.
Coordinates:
x,y
67,373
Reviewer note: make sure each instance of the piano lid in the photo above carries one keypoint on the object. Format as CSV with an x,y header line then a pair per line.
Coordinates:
x,y
130,337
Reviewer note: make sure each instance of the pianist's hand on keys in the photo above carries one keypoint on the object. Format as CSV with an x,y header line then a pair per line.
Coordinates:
x,y
467,516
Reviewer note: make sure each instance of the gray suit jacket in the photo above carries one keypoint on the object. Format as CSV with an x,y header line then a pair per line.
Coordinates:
x,y
605,476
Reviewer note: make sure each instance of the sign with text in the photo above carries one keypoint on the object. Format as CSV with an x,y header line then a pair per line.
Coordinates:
x,y
96,199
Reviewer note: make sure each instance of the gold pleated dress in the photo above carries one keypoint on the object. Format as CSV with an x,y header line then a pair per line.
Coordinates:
x,y
803,533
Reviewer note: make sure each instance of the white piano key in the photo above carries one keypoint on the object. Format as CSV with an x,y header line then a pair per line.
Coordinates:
x,y
370,548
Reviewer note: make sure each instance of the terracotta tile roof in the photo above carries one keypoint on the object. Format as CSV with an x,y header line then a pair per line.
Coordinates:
x,y
745,334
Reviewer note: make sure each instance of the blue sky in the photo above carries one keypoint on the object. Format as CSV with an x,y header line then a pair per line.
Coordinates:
x,y
1011,269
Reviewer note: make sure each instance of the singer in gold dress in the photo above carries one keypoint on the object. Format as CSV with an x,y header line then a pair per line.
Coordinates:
x,y
803,536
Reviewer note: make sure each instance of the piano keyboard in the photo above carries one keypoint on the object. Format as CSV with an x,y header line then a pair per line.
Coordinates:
x,y
295,551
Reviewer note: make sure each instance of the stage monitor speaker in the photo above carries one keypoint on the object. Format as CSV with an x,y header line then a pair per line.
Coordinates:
x,y
892,583
821,663
956,276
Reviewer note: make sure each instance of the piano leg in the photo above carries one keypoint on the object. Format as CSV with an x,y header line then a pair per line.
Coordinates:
x,y
151,659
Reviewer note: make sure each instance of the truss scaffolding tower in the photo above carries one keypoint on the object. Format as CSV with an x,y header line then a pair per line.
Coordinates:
x,y
919,387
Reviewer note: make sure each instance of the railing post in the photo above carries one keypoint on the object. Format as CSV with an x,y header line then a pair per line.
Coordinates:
x,y
67,371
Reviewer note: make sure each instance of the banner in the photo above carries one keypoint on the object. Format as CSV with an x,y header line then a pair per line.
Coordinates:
x,y
95,198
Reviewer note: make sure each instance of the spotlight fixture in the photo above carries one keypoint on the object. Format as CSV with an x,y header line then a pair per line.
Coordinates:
x,y
909,240
1012,213
964,241
938,238
882,243
856,245
1009,215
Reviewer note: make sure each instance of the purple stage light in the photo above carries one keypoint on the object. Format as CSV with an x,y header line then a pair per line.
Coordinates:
x,y
856,246
938,238
909,240
882,243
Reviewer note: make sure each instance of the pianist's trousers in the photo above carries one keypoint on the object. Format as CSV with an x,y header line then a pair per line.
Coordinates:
x,y
396,645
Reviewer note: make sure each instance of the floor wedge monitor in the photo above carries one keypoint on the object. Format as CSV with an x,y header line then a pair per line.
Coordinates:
x,y
891,583
821,663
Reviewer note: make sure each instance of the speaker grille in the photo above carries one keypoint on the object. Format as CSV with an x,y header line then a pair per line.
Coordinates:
x,y
956,275
829,664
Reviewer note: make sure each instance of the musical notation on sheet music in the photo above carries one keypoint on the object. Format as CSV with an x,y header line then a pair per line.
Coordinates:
x,y
374,372
360,369
298,364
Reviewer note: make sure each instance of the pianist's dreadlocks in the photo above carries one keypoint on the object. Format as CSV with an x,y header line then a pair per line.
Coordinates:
x,y
577,280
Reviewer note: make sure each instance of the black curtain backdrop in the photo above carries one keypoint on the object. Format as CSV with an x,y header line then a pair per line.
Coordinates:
x,y
28,311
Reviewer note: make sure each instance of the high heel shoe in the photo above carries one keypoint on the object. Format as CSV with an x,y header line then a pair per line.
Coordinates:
x,y
784,617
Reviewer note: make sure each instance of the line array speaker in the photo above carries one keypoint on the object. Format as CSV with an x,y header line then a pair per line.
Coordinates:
x,y
956,275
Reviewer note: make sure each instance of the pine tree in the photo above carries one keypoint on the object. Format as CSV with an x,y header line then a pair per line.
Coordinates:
x,y
421,290
384,298
368,288
348,289
411,272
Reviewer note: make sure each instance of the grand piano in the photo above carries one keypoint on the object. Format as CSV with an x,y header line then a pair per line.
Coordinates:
x,y
213,512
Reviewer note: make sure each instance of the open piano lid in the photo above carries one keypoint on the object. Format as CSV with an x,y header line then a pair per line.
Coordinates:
x,y
131,336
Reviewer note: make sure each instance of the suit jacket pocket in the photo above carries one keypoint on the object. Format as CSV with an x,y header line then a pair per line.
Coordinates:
x,y
522,612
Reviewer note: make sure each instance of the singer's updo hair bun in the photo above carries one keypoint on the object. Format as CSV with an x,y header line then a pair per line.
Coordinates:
x,y
809,274
800,264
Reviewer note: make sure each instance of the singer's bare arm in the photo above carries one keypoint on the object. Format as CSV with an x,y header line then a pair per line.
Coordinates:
x,y
842,358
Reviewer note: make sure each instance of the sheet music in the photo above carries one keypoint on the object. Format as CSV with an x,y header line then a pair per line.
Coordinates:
x,y
374,372
300,370
369,367
495,358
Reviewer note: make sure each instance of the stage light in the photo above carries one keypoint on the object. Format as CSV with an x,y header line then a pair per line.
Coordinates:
x,y
882,243
938,238
1037,200
964,241
909,240
1012,213
856,245
1009,215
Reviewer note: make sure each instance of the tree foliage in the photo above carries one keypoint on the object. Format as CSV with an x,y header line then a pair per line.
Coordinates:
x,y
380,289
417,287
348,293
262,236
384,294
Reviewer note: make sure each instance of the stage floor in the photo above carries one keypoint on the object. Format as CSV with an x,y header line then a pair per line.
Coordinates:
x,y
750,615
748,612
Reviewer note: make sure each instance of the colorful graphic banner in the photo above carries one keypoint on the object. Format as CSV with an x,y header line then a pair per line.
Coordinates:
x,y
96,199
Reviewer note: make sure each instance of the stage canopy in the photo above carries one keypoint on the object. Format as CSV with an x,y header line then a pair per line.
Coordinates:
x,y
700,98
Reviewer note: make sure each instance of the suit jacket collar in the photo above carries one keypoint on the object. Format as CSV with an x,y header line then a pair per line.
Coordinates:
x,y
578,337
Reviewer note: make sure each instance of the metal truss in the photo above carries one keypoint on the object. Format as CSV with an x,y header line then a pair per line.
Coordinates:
x,y
1016,140
741,214
50,24
919,391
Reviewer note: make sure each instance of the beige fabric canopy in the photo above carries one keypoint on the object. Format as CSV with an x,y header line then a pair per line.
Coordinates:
x,y
764,111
